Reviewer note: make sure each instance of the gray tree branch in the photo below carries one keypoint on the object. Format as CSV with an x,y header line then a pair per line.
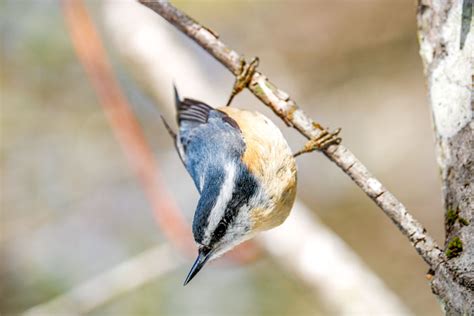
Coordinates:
x,y
446,49
303,238
281,103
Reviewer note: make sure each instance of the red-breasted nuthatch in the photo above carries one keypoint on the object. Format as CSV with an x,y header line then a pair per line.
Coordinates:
x,y
243,169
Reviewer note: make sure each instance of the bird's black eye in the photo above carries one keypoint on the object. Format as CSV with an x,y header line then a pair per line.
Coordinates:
x,y
220,230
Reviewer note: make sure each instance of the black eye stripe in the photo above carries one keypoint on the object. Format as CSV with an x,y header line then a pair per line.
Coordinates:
x,y
244,189
220,231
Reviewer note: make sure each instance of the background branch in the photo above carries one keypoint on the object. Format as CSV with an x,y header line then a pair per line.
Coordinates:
x,y
126,129
128,133
286,109
125,277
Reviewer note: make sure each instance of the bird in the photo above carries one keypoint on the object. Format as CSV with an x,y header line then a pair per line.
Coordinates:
x,y
243,169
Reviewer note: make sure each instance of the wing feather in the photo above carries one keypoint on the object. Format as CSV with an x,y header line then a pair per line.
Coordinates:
x,y
208,138
193,110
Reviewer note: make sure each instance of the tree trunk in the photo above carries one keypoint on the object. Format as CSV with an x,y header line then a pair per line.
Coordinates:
x,y
442,31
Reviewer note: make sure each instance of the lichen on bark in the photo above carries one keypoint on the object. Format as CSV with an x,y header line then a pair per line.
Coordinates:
x,y
449,75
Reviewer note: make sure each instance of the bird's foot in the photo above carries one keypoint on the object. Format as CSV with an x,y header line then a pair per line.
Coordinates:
x,y
243,79
322,142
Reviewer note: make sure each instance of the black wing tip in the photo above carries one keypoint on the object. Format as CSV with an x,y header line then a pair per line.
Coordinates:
x,y
190,109
193,111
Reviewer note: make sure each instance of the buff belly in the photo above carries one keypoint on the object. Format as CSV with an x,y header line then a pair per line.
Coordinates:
x,y
270,160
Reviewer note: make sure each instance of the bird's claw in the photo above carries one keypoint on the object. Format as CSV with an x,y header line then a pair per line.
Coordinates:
x,y
322,142
244,77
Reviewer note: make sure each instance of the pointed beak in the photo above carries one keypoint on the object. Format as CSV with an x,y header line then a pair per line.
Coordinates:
x,y
203,256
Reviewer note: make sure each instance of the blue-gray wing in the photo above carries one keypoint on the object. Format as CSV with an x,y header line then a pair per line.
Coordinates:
x,y
208,141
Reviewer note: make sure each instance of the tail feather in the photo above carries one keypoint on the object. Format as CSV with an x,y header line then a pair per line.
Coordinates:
x,y
175,139
177,101
168,128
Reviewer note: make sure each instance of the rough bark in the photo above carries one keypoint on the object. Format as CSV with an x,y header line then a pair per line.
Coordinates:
x,y
442,32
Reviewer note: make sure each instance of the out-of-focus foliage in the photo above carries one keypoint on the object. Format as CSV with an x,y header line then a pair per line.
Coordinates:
x,y
71,208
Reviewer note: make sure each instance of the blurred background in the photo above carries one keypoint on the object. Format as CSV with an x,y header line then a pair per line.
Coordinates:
x,y
72,208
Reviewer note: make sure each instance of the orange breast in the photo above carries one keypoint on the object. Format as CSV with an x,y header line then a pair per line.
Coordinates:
x,y
270,160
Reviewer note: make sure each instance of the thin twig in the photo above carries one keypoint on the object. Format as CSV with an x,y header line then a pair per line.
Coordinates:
x,y
281,103
355,288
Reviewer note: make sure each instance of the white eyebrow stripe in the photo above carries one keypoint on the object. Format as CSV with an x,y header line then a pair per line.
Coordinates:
x,y
225,195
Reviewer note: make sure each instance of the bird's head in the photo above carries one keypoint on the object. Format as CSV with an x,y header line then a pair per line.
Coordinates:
x,y
223,218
